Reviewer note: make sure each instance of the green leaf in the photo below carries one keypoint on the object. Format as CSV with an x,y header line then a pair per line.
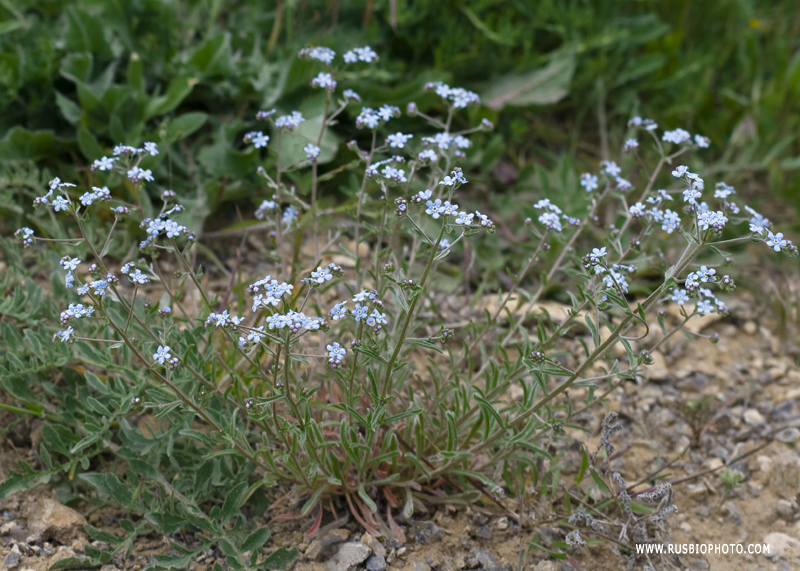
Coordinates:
x,y
179,88
426,344
487,407
256,539
599,481
27,479
370,353
362,493
88,144
485,30
312,501
22,144
538,87
110,485
593,329
10,26
392,419
86,442
184,125
281,559
71,111
135,73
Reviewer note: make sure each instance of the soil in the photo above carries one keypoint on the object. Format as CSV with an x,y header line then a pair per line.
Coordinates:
x,y
746,388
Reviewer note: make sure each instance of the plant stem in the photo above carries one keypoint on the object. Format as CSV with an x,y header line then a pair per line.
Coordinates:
x,y
410,316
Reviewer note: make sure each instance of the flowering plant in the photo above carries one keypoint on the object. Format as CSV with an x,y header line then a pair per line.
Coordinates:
x,y
327,375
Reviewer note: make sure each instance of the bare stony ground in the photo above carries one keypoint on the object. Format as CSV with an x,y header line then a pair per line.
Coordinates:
x,y
746,389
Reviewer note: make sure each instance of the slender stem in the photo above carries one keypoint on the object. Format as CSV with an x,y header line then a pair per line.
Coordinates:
x,y
507,298
410,316
191,273
110,232
133,305
361,193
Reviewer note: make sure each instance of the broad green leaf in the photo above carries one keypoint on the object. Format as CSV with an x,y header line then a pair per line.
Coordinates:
x,y
184,125
256,539
542,86
280,559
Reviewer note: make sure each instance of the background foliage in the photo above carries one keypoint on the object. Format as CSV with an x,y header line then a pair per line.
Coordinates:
x,y
79,76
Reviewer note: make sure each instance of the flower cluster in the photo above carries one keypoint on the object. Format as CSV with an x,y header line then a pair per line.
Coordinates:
x,y
259,139
361,312
458,96
273,292
372,119
552,216
98,194
76,311
224,320
155,228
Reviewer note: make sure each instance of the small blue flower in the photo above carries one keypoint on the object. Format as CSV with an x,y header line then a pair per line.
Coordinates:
x,y
360,312
338,311
680,171
324,80
704,307
434,208
335,353
589,181
104,164
398,140
776,241
449,209
464,218
321,275
290,122
64,336
637,210
671,221
679,296
256,335
690,195
162,354
60,203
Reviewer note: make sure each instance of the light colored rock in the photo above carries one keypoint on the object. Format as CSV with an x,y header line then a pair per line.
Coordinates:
x,y
13,557
7,527
782,544
349,556
658,370
750,328
753,417
764,466
785,479
788,435
785,510
375,545
52,520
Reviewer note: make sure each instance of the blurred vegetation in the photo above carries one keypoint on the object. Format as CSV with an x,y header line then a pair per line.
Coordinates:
x,y
559,78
